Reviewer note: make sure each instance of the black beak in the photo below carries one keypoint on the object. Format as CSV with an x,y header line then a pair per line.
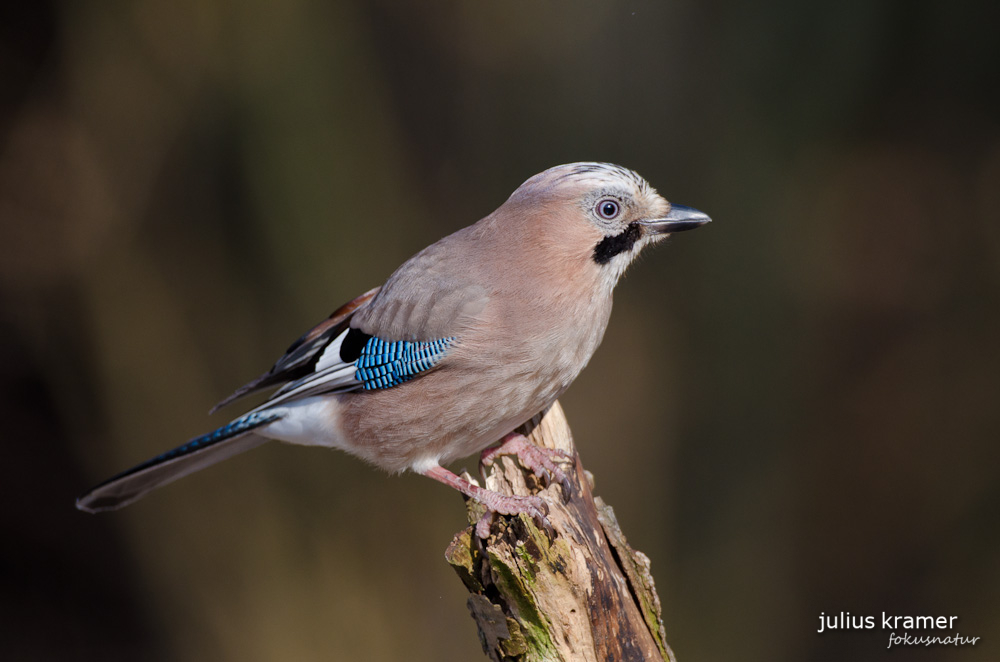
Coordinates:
x,y
679,219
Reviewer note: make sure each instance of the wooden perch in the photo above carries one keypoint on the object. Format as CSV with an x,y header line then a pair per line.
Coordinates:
x,y
578,592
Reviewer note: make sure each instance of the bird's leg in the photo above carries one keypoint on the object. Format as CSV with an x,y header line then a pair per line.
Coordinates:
x,y
536,459
494,501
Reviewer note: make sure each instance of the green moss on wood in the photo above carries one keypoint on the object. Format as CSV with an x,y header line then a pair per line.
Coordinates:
x,y
516,585
516,644
464,559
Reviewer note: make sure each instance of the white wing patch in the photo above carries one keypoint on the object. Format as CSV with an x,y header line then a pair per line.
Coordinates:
x,y
330,375
330,358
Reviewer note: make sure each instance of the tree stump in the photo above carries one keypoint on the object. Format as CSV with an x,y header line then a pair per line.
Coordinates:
x,y
575,592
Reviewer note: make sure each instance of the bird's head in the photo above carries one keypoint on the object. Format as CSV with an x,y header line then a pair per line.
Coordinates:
x,y
601,214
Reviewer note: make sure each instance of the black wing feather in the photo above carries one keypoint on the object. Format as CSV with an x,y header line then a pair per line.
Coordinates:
x,y
301,357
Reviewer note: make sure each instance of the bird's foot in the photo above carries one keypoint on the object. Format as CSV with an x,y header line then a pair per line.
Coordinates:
x,y
538,460
494,502
505,504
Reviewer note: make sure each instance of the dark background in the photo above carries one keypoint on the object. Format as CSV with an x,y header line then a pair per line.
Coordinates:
x,y
796,410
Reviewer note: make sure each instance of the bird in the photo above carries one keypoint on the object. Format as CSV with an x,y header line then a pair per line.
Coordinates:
x,y
465,342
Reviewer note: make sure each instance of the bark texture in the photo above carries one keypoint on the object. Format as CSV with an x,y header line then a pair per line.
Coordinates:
x,y
574,592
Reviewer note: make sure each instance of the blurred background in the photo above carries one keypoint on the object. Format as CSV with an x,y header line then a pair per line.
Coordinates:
x,y
796,410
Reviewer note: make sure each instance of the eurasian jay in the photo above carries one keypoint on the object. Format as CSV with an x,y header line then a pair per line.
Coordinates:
x,y
466,341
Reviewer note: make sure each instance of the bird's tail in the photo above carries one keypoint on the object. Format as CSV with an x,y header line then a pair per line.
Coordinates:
x,y
196,454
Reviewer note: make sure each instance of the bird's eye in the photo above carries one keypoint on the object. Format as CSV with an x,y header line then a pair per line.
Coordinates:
x,y
608,209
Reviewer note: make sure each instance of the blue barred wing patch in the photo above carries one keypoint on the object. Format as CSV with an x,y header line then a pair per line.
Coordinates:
x,y
384,364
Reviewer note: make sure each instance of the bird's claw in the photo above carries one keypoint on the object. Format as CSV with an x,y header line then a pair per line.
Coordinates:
x,y
542,462
533,506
